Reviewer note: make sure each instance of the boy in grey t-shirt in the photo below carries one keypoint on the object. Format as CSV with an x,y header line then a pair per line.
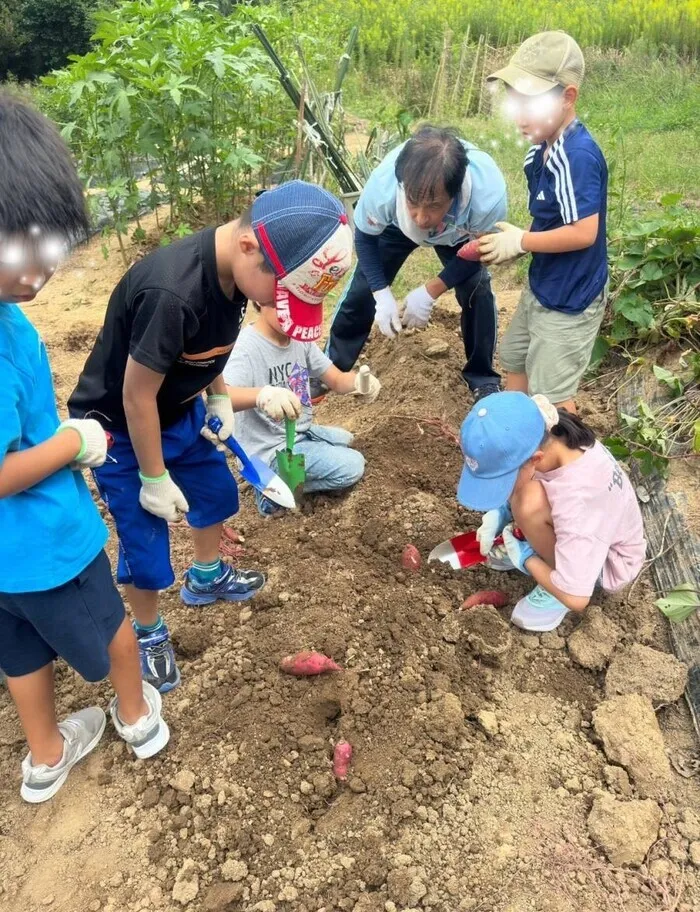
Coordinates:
x,y
267,378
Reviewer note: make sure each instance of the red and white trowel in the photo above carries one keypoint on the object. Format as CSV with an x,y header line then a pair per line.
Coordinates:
x,y
463,551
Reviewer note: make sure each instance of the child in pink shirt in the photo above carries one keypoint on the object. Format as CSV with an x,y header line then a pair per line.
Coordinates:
x,y
544,471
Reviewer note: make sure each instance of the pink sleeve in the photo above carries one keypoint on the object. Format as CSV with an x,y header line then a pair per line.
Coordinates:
x,y
578,562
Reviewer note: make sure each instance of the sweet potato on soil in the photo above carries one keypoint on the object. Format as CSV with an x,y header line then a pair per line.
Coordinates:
x,y
410,558
306,664
342,758
486,597
470,252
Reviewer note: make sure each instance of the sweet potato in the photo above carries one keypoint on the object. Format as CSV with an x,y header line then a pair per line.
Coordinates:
x,y
306,664
486,597
470,252
410,558
342,758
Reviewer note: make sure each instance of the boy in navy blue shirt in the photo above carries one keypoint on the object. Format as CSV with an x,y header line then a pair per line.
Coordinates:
x,y
548,345
57,597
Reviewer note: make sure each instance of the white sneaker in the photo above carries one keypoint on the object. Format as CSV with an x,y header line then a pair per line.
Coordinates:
x,y
150,733
81,734
539,611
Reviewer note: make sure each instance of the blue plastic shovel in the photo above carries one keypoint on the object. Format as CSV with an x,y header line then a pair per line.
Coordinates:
x,y
256,473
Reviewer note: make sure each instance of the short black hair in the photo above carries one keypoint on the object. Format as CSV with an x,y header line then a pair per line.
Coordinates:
x,y
572,431
39,185
245,220
432,161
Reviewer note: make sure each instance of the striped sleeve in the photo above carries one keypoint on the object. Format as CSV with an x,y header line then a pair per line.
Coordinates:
x,y
578,182
529,157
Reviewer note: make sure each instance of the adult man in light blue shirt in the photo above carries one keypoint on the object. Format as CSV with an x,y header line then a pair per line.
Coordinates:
x,y
436,190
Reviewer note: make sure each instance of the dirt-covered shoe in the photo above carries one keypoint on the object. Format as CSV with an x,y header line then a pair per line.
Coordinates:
x,y
539,611
150,733
232,586
317,390
158,665
481,392
81,734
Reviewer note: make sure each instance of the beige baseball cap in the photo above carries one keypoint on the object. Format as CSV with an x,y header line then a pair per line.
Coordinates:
x,y
541,63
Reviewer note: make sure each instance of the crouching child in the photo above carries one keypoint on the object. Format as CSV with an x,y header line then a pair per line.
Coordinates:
x,y
267,378
541,470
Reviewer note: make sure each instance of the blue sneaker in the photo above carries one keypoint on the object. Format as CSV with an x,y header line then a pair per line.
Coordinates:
x,y
232,586
539,611
158,666
266,507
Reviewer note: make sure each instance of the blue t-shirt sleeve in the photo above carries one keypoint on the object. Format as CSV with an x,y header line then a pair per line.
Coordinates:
x,y
10,419
578,183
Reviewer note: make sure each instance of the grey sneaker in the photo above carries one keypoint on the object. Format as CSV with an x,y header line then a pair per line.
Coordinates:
x,y
150,733
81,733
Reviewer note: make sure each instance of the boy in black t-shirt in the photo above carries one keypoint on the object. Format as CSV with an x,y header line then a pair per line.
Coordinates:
x,y
170,326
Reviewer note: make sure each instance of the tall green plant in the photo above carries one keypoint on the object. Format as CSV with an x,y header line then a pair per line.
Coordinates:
x,y
175,94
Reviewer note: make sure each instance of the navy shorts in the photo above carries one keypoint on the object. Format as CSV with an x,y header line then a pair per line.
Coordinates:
x,y
198,469
76,621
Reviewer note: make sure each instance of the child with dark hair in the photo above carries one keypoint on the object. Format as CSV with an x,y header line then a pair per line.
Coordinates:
x,y
57,597
435,190
542,469
170,326
267,377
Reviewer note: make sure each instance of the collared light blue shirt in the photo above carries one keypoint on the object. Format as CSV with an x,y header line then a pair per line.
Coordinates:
x,y
482,203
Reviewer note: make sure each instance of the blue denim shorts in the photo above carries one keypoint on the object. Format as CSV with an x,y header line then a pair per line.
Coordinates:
x,y
199,470
76,621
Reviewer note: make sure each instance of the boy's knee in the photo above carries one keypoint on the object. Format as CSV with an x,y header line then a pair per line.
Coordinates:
x,y
529,501
356,467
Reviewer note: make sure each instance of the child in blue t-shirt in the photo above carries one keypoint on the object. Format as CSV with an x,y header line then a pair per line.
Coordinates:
x,y
548,345
57,597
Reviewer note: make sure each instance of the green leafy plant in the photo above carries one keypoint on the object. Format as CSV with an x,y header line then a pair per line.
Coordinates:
x,y
655,280
680,602
656,434
174,104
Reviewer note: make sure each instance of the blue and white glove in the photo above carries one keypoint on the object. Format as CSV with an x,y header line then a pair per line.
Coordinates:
x,y
518,551
419,306
492,524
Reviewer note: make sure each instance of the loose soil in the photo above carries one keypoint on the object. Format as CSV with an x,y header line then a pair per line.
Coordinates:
x,y
475,760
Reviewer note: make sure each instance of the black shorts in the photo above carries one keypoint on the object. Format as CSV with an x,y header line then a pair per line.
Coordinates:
x,y
76,622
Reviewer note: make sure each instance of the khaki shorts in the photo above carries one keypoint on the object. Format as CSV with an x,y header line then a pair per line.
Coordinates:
x,y
551,347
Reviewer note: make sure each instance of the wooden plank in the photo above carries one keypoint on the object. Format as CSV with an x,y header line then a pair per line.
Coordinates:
x,y
675,552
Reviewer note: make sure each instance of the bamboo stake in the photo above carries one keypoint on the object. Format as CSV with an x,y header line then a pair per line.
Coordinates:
x,y
475,66
460,68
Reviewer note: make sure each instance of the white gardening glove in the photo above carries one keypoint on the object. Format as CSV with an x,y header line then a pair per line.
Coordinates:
x,y
93,451
278,402
219,406
502,247
419,304
374,388
162,497
492,524
387,313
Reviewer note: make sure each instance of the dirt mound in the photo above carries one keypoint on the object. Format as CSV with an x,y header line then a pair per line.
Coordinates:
x,y
649,672
475,764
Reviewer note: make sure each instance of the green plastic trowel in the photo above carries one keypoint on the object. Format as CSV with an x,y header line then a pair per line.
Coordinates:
x,y
290,465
